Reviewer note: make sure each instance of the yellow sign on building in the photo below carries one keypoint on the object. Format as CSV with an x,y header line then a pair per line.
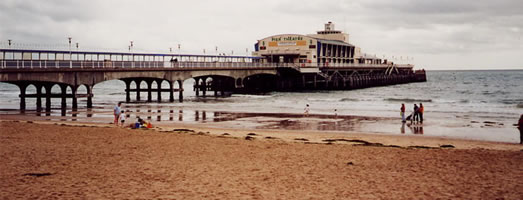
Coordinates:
x,y
288,43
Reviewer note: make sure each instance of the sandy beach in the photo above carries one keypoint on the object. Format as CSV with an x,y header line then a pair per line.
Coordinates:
x,y
93,161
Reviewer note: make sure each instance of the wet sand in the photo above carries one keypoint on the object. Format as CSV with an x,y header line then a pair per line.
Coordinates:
x,y
73,160
168,115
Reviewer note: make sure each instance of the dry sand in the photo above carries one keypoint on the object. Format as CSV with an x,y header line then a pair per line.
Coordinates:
x,y
60,161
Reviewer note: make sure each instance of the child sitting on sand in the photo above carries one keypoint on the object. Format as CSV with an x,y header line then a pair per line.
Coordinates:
x,y
140,123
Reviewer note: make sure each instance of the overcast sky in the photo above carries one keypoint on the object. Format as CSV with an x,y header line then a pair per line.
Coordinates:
x,y
442,34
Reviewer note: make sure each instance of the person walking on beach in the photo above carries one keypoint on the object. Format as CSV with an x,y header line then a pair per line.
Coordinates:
x,y
420,112
307,109
520,127
402,112
122,118
116,113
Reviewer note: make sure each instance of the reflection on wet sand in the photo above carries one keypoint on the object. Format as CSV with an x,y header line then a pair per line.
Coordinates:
x,y
226,119
416,128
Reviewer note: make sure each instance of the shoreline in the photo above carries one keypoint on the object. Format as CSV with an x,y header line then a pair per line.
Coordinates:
x,y
335,125
308,136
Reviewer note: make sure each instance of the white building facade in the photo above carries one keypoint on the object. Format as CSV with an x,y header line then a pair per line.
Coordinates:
x,y
327,47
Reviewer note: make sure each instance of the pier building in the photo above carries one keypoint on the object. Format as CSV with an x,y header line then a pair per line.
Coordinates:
x,y
329,47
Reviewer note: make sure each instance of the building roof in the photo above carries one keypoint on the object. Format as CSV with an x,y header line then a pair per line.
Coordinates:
x,y
336,42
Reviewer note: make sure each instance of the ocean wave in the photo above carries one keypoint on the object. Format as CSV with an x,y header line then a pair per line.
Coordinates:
x,y
511,101
252,96
408,100
117,93
464,91
322,99
494,93
349,99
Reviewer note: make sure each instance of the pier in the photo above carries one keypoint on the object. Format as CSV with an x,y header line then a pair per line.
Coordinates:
x,y
72,75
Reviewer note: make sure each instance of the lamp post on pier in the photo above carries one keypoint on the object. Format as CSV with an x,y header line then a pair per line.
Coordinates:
x,y
70,53
179,52
131,50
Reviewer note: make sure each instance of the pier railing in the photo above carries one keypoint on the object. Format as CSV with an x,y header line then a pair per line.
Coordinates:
x,y
56,64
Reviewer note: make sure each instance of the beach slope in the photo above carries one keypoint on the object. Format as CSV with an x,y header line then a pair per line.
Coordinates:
x,y
67,162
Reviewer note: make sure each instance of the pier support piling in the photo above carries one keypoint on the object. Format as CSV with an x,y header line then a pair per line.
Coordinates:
x,y
75,99
171,92
89,96
127,90
22,87
159,89
138,89
149,90
63,87
48,98
180,91
38,97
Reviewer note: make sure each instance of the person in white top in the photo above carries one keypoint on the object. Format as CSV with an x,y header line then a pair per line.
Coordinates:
x,y
122,118
116,113
307,109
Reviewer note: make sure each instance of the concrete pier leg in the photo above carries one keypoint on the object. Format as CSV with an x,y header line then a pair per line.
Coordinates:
x,y
138,89
22,87
64,96
75,100
90,96
204,86
38,98
149,91
302,81
216,85
180,92
48,98
197,86
171,93
315,81
127,91
159,89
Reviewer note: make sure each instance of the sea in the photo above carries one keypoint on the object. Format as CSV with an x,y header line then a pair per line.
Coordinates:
x,y
476,105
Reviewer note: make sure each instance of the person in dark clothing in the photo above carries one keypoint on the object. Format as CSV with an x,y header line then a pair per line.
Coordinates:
x,y
415,116
520,127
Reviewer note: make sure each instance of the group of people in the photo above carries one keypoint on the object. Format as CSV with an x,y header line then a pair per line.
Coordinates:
x,y
415,116
120,116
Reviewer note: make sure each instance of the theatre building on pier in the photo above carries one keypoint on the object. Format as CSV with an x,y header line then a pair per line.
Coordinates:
x,y
327,47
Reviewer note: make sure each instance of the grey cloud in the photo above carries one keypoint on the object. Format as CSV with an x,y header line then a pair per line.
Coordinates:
x,y
402,27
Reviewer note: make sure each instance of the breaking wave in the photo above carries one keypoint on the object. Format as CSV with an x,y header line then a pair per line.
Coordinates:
x,y
407,100
349,99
